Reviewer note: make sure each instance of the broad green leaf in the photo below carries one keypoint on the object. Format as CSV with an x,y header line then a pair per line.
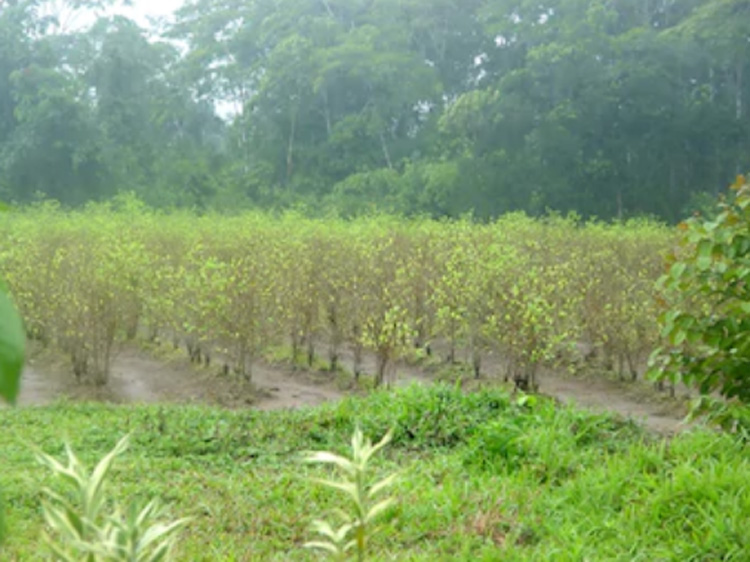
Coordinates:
x,y
12,349
677,270
385,483
678,337
704,254
330,458
379,508
329,547
2,521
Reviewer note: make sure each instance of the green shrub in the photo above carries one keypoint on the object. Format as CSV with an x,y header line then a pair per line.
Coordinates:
x,y
706,297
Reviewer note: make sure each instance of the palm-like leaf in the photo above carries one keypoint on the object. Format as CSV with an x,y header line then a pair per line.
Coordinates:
x,y
84,533
356,527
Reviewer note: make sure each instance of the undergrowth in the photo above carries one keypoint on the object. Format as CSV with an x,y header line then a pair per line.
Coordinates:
x,y
482,476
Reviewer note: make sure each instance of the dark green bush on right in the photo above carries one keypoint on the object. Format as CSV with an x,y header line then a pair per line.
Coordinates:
x,y
706,300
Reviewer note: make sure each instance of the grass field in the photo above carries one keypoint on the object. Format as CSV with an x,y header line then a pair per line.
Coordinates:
x,y
483,477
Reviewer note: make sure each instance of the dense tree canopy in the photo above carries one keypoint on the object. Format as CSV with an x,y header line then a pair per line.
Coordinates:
x,y
417,106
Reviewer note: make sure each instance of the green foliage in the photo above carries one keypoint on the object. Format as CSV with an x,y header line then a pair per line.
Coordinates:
x,y
12,346
12,350
523,481
706,300
83,530
421,106
732,416
426,418
520,442
509,297
356,525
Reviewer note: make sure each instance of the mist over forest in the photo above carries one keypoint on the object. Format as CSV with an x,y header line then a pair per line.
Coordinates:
x,y
611,109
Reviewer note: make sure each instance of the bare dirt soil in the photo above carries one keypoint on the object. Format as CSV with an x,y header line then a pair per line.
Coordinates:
x,y
140,377
597,390
655,411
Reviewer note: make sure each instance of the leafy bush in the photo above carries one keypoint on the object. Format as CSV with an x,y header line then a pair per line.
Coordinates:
x,y
422,418
528,291
706,300
551,442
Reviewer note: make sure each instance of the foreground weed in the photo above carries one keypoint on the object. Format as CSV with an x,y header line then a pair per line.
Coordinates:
x,y
355,526
85,532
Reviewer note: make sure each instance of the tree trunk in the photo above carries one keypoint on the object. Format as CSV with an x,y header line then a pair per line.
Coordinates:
x,y
244,363
295,348
477,364
386,154
738,105
328,9
382,366
310,351
632,368
357,362
325,112
532,378
290,149
335,334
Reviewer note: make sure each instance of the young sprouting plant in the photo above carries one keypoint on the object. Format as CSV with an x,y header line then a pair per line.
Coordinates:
x,y
356,525
85,532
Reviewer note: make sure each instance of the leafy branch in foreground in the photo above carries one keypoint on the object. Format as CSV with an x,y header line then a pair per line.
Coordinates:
x,y
706,296
85,532
355,526
12,349
12,346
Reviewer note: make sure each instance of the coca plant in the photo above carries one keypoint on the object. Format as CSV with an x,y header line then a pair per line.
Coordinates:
x,y
385,327
615,270
233,288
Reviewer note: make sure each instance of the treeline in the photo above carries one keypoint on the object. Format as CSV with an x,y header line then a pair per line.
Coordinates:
x,y
439,107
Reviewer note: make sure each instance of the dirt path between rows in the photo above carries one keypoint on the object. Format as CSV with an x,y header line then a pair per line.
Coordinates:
x,y
139,377
655,411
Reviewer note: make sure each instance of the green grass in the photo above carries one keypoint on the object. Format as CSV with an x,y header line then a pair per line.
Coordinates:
x,y
482,478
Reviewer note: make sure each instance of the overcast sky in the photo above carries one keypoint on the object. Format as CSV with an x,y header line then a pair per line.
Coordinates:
x,y
142,9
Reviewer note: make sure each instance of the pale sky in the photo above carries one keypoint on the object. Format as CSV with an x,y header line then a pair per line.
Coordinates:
x,y
142,9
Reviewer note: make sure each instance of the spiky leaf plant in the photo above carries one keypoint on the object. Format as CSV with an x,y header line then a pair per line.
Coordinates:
x,y
83,531
355,525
